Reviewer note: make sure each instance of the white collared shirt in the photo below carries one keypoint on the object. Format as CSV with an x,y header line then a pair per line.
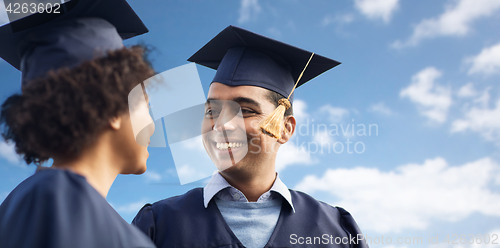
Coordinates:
x,y
218,186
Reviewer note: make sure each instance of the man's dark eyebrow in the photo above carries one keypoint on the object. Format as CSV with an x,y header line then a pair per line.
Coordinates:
x,y
238,100
211,100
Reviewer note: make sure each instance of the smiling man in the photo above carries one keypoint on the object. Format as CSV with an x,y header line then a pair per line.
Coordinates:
x,y
245,204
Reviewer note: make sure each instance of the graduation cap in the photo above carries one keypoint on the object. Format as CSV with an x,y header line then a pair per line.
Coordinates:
x,y
84,30
242,57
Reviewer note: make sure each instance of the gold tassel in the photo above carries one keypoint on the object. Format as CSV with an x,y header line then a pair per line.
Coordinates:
x,y
273,123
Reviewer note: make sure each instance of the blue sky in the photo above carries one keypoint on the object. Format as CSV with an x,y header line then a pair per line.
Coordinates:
x,y
425,73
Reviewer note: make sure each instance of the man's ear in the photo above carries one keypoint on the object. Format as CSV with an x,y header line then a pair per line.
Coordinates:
x,y
289,129
115,122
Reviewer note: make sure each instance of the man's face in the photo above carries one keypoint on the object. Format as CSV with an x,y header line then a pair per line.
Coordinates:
x,y
249,144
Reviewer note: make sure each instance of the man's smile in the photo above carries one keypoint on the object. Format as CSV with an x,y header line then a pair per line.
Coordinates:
x,y
229,145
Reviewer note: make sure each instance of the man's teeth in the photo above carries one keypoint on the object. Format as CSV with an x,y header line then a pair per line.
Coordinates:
x,y
225,146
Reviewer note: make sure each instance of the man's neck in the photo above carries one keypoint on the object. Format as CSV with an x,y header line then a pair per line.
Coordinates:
x,y
251,186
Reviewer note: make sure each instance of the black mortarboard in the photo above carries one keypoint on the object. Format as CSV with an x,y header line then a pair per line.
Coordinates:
x,y
84,30
242,57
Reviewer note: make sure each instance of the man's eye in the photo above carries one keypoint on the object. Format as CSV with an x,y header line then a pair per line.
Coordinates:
x,y
247,111
211,113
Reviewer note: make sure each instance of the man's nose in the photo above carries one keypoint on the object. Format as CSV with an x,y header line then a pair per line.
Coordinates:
x,y
227,121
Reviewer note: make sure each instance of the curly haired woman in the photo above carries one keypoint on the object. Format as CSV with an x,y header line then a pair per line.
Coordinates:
x,y
73,109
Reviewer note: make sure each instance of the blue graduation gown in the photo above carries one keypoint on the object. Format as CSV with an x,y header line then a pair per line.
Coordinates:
x,y
183,221
59,209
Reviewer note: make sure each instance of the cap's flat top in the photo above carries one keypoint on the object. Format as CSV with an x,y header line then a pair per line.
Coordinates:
x,y
212,53
117,12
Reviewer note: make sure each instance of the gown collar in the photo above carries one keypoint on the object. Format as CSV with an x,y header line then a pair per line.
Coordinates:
x,y
217,184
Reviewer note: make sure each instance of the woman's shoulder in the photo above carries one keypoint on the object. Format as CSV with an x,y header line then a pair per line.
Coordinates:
x,y
46,184
60,206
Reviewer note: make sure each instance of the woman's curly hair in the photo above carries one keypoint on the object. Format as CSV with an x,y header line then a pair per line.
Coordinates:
x,y
62,112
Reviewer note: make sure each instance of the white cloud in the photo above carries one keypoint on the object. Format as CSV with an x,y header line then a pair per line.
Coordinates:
x,y
130,208
327,20
323,138
411,196
377,9
8,152
299,111
335,114
481,119
249,10
484,99
487,62
338,19
189,173
480,100
152,176
380,108
289,154
454,21
432,100
467,91
4,18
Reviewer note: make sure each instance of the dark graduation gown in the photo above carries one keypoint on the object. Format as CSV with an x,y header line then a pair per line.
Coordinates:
x,y
59,209
183,221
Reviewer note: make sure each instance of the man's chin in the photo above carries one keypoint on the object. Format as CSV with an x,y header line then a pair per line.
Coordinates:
x,y
228,166
225,165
